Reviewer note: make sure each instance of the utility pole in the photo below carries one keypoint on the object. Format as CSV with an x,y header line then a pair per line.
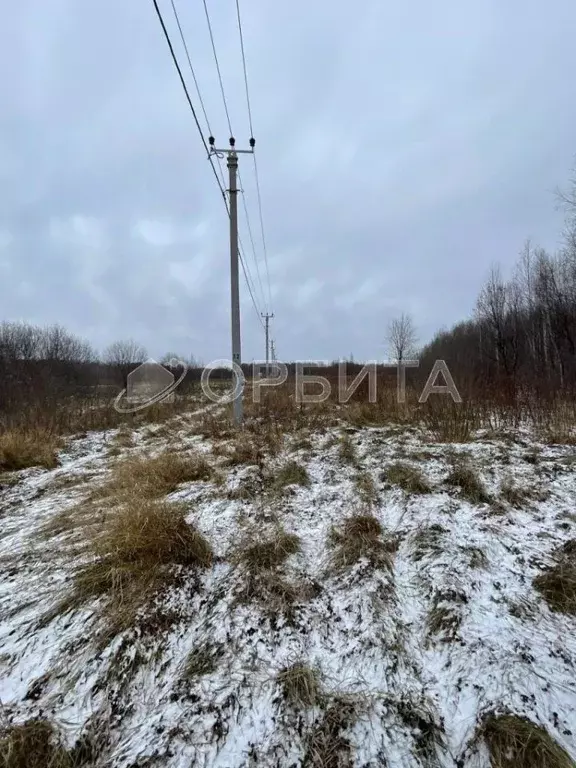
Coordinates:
x,y
232,163
272,351
267,317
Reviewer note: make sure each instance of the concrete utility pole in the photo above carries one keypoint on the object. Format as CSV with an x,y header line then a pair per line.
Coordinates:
x,y
272,351
232,163
267,317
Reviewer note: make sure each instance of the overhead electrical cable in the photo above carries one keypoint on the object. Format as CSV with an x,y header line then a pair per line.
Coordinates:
x,y
195,116
259,196
229,121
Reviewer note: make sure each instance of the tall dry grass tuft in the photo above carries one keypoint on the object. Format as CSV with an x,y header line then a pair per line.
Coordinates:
x,y
23,448
154,477
468,481
291,473
409,478
269,553
329,745
139,550
300,685
558,583
516,742
34,744
265,583
362,537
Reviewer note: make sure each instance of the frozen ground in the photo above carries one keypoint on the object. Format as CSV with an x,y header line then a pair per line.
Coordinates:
x,y
412,689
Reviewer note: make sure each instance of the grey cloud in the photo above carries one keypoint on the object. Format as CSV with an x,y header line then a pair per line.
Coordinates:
x,y
402,149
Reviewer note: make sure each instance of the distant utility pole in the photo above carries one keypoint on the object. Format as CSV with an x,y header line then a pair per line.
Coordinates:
x,y
272,351
232,163
267,317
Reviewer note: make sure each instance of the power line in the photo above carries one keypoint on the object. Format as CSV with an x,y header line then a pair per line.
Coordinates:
x,y
262,228
183,82
244,66
252,241
247,274
200,99
189,100
222,91
217,66
238,15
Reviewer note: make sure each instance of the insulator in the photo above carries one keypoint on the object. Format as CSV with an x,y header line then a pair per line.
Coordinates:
x,y
252,142
232,141
211,140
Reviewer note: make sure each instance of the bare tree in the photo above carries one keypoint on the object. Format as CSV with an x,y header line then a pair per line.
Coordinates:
x,y
402,337
167,359
56,343
124,355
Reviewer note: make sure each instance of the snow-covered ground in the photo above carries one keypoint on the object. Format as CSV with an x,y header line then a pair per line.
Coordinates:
x,y
412,693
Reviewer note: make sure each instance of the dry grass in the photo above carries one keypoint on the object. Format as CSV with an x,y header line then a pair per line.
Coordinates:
x,y
361,537
419,716
8,479
515,742
513,493
409,478
477,556
291,473
300,685
276,594
244,452
448,421
136,554
265,582
328,747
271,553
72,480
151,478
202,660
445,618
347,451
557,584
20,449
124,437
428,541
34,744
468,481
366,488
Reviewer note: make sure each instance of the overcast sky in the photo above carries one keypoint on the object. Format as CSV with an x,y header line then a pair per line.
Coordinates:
x,y
402,149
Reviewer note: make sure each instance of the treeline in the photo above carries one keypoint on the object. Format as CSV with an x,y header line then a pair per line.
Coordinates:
x,y
52,378
522,337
